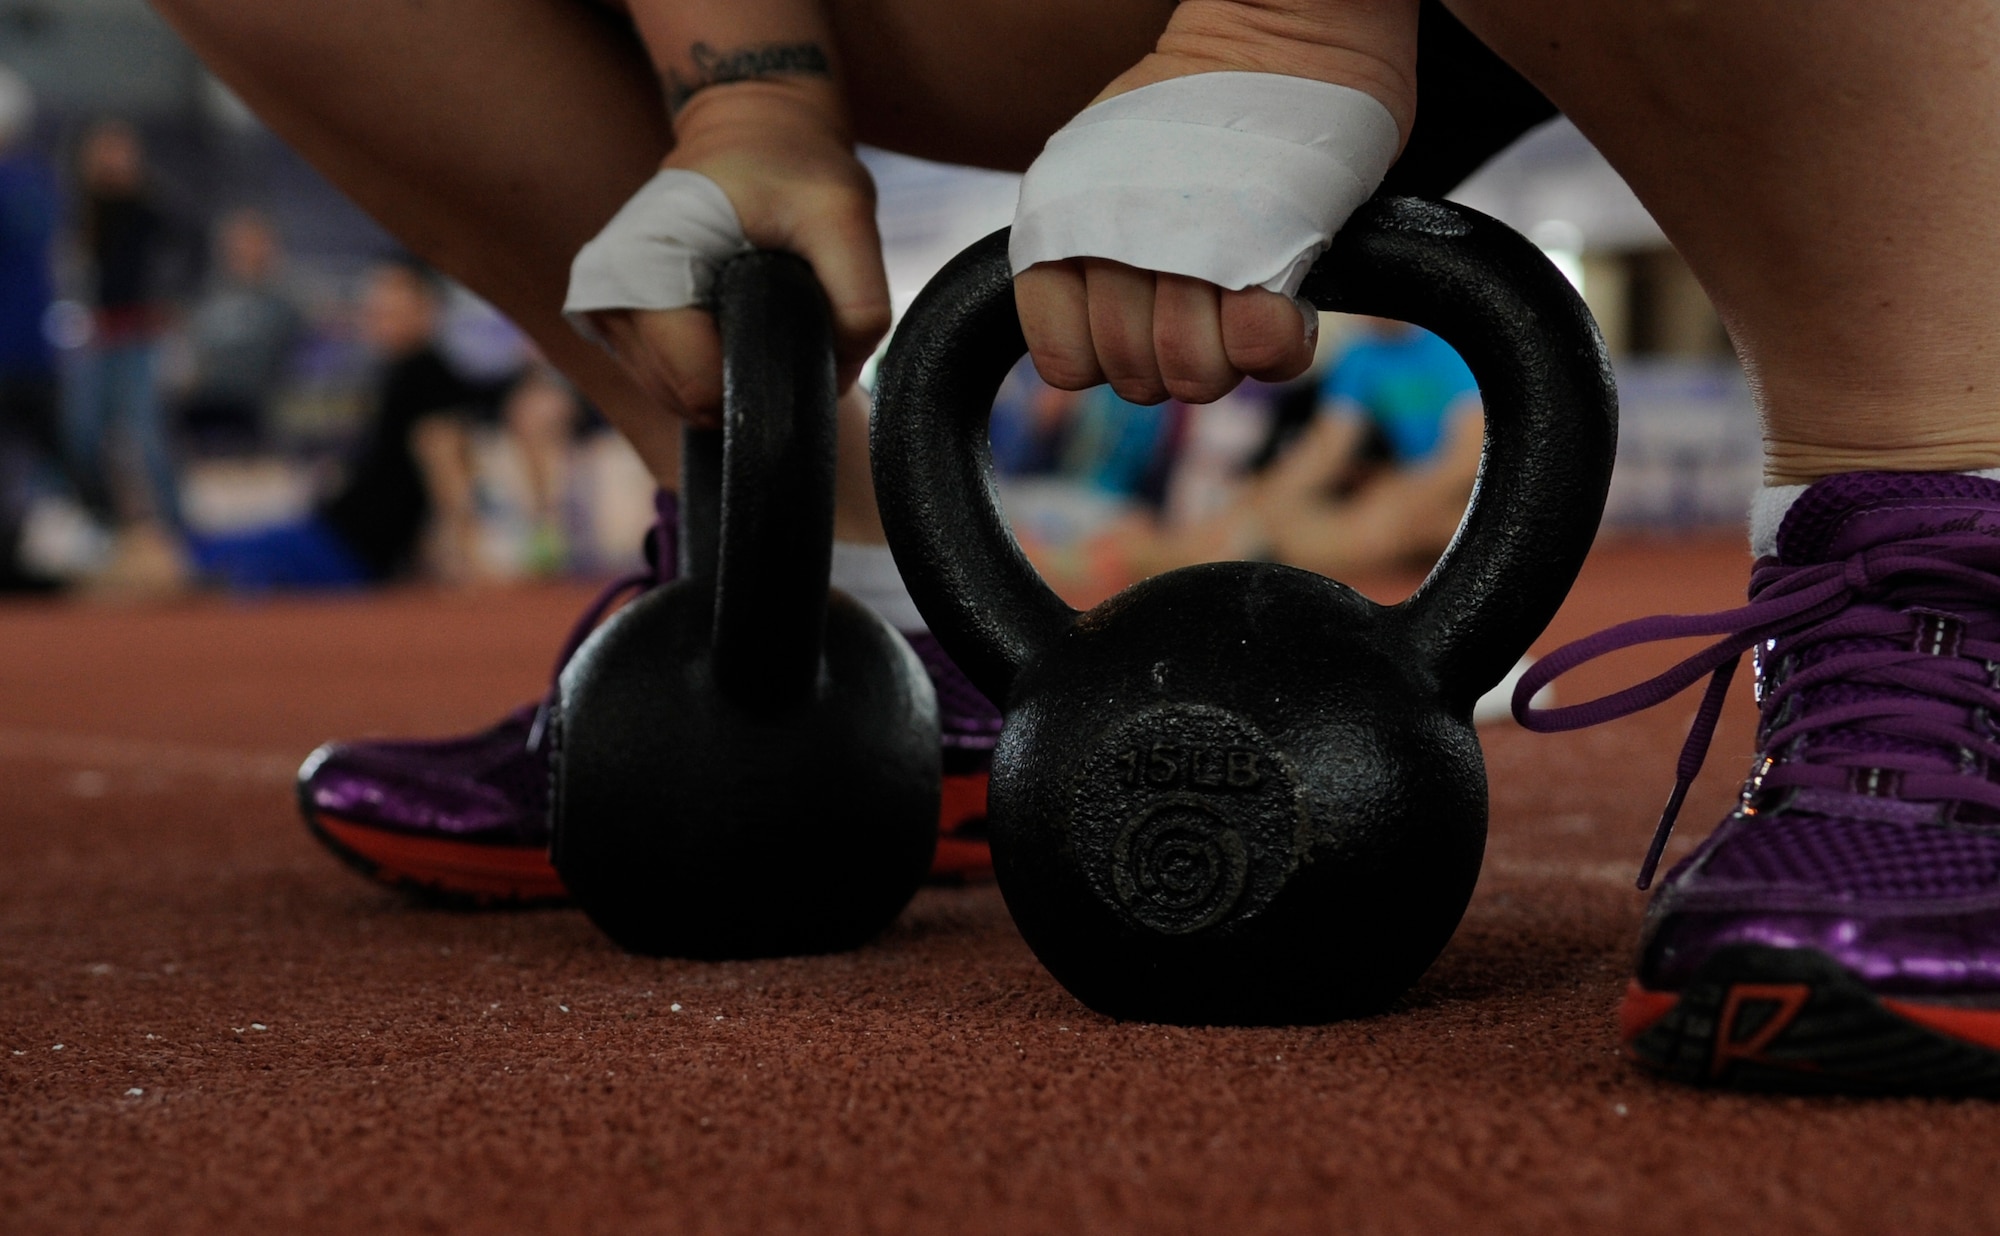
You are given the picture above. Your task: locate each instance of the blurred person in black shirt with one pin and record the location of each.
(415, 464)
(411, 470)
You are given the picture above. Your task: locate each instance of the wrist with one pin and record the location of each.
(760, 112)
(1369, 45)
(706, 69)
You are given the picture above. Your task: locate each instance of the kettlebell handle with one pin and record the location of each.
(757, 494)
(1551, 432)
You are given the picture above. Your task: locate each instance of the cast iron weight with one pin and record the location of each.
(1240, 792)
(745, 764)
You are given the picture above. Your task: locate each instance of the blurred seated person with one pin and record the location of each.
(1031, 424)
(1120, 448)
(411, 475)
(241, 334)
(1378, 481)
(542, 415)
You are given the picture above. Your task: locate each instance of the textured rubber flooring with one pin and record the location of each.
(208, 1026)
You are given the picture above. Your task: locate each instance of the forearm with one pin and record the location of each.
(1370, 45)
(759, 120)
(707, 51)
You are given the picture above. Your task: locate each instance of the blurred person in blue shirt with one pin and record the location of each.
(27, 236)
(30, 443)
(1402, 387)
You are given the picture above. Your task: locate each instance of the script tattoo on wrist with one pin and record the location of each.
(744, 64)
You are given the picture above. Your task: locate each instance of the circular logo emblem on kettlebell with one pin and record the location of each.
(1186, 818)
(1179, 866)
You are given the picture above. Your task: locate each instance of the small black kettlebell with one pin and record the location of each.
(745, 764)
(1243, 793)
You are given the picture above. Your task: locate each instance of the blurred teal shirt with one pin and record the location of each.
(1406, 386)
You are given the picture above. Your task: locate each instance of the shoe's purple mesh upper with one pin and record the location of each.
(1809, 527)
(969, 720)
(1858, 858)
(492, 786)
(1877, 629)
(488, 786)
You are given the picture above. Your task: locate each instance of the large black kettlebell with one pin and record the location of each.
(1240, 792)
(745, 765)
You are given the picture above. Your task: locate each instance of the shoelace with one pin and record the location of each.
(1892, 621)
(662, 554)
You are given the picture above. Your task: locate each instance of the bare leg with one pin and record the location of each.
(493, 161)
(497, 158)
(1401, 517)
(984, 81)
(1828, 172)
(1396, 520)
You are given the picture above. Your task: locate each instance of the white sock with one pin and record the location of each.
(1767, 511)
(868, 574)
(1773, 502)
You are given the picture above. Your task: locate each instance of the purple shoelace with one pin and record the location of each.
(1878, 676)
(662, 562)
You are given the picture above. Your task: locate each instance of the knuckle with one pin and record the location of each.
(1264, 335)
(664, 329)
(691, 393)
(662, 392)
(832, 212)
(1191, 363)
(868, 318)
(1137, 388)
(1285, 368)
(855, 199)
(1119, 348)
(1195, 372)
(1066, 369)
(1263, 352)
(694, 397)
(1206, 388)
(1122, 347)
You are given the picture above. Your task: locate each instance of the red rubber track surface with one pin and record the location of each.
(254, 1039)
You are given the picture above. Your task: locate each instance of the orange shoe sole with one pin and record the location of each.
(1796, 1020)
(963, 857)
(451, 872)
(470, 874)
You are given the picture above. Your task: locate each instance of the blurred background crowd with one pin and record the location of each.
(216, 374)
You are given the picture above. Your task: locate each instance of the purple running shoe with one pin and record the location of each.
(1840, 931)
(464, 821)
(971, 726)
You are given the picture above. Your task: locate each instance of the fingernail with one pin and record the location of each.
(1310, 312)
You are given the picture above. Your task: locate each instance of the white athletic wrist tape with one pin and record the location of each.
(660, 251)
(1240, 179)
